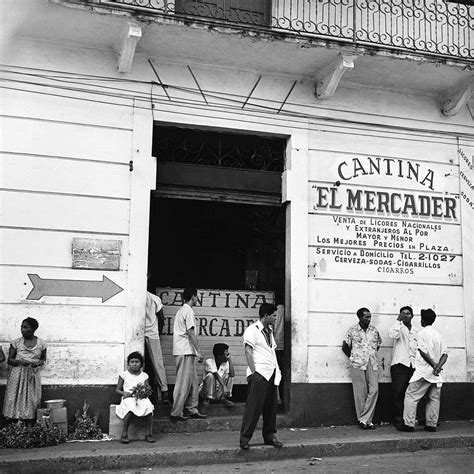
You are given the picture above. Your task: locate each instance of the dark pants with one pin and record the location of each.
(261, 400)
(401, 375)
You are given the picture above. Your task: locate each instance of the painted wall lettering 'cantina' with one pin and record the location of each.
(385, 219)
(231, 176)
(388, 225)
(221, 317)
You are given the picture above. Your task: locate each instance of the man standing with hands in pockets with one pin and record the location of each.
(186, 351)
(263, 376)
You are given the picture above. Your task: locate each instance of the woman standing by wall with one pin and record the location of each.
(25, 357)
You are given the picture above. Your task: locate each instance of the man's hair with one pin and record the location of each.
(361, 311)
(266, 308)
(188, 293)
(428, 316)
(409, 308)
(219, 349)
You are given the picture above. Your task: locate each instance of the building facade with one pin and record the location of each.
(319, 153)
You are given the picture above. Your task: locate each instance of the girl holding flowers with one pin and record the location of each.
(133, 386)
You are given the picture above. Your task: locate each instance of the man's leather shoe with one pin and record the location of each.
(403, 427)
(431, 429)
(274, 442)
(197, 415)
(178, 418)
(244, 445)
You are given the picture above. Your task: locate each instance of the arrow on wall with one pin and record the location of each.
(104, 289)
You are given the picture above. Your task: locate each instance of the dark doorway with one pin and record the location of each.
(217, 245)
(217, 223)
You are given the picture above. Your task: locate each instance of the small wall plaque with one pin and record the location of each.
(96, 254)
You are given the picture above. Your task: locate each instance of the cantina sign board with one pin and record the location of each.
(385, 220)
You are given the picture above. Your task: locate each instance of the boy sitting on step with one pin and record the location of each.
(216, 386)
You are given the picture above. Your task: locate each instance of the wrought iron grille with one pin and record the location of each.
(438, 27)
(230, 150)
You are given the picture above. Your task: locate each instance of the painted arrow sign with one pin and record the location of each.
(104, 289)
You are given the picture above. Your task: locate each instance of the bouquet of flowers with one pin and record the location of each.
(141, 390)
(85, 426)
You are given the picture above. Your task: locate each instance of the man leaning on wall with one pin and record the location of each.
(361, 345)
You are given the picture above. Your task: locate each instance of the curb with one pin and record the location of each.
(116, 459)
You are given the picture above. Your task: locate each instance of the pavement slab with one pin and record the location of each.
(216, 447)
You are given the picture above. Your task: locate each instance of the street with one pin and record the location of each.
(456, 460)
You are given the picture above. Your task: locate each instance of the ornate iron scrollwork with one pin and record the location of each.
(440, 27)
(210, 148)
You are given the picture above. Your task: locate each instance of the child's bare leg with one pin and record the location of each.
(126, 423)
(150, 424)
(149, 436)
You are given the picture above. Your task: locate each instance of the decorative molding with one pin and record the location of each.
(459, 98)
(329, 78)
(131, 34)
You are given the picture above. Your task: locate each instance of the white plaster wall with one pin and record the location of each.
(65, 164)
(335, 295)
(64, 174)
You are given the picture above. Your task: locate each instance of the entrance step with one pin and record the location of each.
(215, 423)
(219, 418)
(217, 409)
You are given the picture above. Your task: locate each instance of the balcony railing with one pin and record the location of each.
(435, 27)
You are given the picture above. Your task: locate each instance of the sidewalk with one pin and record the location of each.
(179, 449)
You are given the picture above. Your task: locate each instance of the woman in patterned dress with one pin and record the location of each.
(25, 357)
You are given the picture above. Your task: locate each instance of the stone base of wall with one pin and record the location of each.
(310, 404)
(99, 397)
(332, 403)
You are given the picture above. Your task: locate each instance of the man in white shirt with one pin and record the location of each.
(154, 321)
(186, 351)
(404, 337)
(430, 358)
(263, 376)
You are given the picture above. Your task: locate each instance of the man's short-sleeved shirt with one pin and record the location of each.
(264, 355)
(153, 305)
(364, 346)
(183, 321)
(431, 343)
(211, 366)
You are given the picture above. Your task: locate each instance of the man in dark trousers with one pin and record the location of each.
(405, 345)
(263, 376)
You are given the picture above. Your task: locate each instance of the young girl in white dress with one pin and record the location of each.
(130, 406)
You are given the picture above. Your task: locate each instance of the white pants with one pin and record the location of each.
(185, 394)
(365, 385)
(153, 345)
(415, 392)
